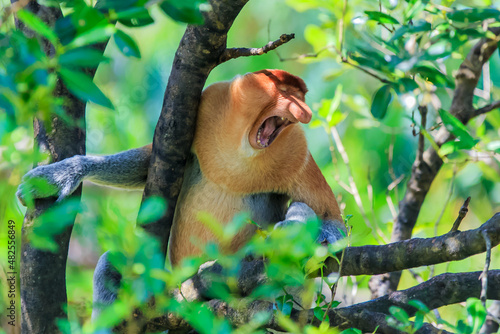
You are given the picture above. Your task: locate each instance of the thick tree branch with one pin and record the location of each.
(199, 51)
(233, 53)
(445, 289)
(364, 260)
(43, 273)
(424, 171)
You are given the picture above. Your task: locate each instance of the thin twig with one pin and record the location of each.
(305, 55)
(421, 138)
(436, 224)
(461, 215)
(487, 108)
(484, 275)
(341, 28)
(345, 60)
(352, 184)
(233, 53)
(393, 186)
(334, 288)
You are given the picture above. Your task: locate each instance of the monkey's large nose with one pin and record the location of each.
(300, 110)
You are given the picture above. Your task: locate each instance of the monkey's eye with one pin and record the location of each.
(283, 88)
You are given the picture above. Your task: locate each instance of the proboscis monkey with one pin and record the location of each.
(248, 154)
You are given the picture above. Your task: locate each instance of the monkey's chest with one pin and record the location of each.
(190, 232)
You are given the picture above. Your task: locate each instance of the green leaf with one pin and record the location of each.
(400, 315)
(82, 86)
(135, 17)
(406, 85)
(152, 209)
(37, 25)
(316, 36)
(381, 17)
(473, 15)
(456, 127)
(351, 331)
(476, 314)
(494, 146)
(319, 313)
(95, 35)
(432, 74)
(117, 5)
(381, 101)
(419, 26)
(419, 305)
(284, 304)
(83, 57)
(187, 11)
(126, 44)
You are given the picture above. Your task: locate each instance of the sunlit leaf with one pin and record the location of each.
(151, 210)
(381, 17)
(37, 25)
(406, 85)
(82, 86)
(84, 57)
(319, 312)
(456, 127)
(418, 26)
(473, 15)
(187, 11)
(135, 17)
(381, 101)
(126, 44)
(476, 314)
(400, 315)
(96, 35)
(432, 74)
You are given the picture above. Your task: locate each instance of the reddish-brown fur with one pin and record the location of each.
(229, 116)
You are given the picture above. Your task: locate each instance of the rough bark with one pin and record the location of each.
(43, 273)
(424, 171)
(198, 53)
(445, 289)
(364, 260)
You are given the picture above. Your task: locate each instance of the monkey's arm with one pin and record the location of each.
(126, 170)
(312, 189)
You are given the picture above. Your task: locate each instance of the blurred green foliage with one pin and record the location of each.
(368, 66)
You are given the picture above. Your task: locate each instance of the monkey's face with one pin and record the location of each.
(278, 104)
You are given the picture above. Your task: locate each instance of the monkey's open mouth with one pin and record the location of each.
(270, 129)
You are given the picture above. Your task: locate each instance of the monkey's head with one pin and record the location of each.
(248, 127)
(272, 100)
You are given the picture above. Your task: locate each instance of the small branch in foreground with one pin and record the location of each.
(487, 108)
(461, 215)
(233, 53)
(345, 60)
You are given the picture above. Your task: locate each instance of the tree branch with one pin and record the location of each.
(364, 260)
(43, 273)
(233, 53)
(199, 51)
(445, 289)
(424, 172)
(487, 108)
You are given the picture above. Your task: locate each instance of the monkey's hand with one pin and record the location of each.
(58, 179)
(300, 213)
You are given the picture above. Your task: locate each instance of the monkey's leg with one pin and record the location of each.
(126, 170)
(106, 284)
